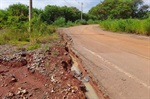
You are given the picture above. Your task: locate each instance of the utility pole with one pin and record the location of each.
(81, 10)
(30, 14)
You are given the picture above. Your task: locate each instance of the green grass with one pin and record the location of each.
(34, 46)
(135, 26)
(40, 34)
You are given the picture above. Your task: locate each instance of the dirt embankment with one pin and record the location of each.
(38, 74)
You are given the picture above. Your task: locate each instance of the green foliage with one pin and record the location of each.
(128, 25)
(3, 18)
(83, 22)
(60, 22)
(90, 21)
(70, 23)
(40, 34)
(20, 10)
(53, 13)
(116, 9)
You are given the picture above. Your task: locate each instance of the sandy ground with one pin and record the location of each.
(120, 62)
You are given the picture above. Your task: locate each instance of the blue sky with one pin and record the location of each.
(87, 4)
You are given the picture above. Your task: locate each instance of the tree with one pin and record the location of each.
(3, 18)
(70, 13)
(52, 13)
(18, 10)
(142, 12)
(116, 9)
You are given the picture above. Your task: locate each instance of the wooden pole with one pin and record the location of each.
(30, 15)
(81, 11)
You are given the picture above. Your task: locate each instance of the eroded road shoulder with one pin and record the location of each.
(120, 63)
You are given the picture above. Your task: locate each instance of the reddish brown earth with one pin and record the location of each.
(38, 74)
(119, 63)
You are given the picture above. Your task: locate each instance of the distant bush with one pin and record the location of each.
(60, 22)
(78, 21)
(128, 25)
(90, 21)
(82, 22)
(70, 23)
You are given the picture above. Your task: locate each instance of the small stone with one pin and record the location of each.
(30, 95)
(64, 97)
(24, 91)
(46, 93)
(73, 91)
(19, 93)
(46, 85)
(19, 88)
(69, 89)
(69, 85)
(53, 80)
(52, 91)
(66, 53)
(10, 94)
(14, 79)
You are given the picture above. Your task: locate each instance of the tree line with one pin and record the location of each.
(16, 15)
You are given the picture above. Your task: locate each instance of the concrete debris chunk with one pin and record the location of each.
(86, 78)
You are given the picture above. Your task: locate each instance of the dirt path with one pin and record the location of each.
(120, 62)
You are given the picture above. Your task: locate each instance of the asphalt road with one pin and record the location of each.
(120, 62)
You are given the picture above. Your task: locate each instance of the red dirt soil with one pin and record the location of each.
(51, 78)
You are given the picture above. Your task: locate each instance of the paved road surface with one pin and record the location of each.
(120, 62)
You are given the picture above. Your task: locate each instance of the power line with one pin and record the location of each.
(68, 3)
(77, 1)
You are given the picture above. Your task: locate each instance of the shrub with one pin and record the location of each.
(60, 22)
(70, 23)
(83, 22)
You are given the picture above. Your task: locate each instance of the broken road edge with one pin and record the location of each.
(100, 91)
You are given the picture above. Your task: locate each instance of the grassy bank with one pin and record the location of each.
(135, 26)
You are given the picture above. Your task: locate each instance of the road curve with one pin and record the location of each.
(120, 62)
